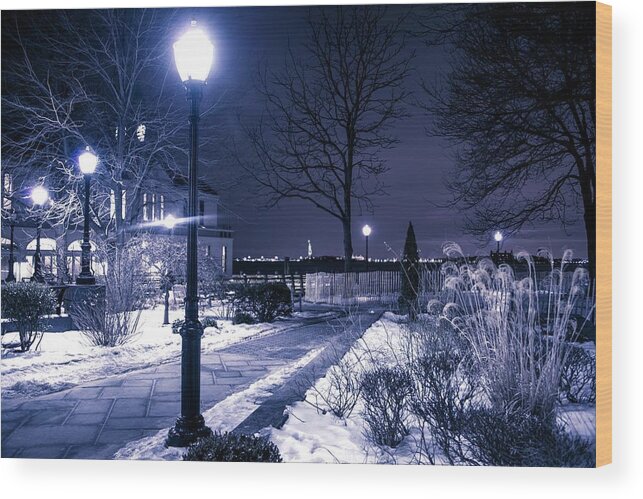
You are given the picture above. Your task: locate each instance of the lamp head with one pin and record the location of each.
(498, 236)
(170, 221)
(39, 195)
(193, 54)
(87, 162)
(366, 230)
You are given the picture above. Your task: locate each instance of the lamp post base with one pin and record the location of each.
(187, 431)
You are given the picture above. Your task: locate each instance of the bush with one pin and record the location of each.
(243, 318)
(230, 447)
(342, 392)
(177, 324)
(385, 391)
(501, 439)
(115, 320)
(265, 301)
(209, 321)
(26, 303)
(578, 376)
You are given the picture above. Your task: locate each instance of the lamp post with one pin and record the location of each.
(366, 230)
(10, 275)
(193, 54)
(498, 237)
(87, 162)
(39, 196)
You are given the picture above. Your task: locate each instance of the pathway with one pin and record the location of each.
(94, 420)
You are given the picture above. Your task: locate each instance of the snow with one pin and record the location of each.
(224, 416)
(312, 435)
(67, 359)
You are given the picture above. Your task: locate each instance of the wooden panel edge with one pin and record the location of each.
(603, 234)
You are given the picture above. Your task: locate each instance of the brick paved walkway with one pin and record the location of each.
(94, 420)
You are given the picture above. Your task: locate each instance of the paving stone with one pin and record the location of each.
(138, 382)
(44, 452)
(8, 452)
(129, 407)
(98, 406)
(7, 427)
(130, 423)
(40, 404)
(48, 417)
(227, 374)
(234, 381)
(158, 408)
(15, 415)
(112, 381)
(85, 419)
(167, 385)
(84, 393)
(120, 437)
(38, 436)
(125, 392)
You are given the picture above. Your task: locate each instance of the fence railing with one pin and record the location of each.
(384, 287)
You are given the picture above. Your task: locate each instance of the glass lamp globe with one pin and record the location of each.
(39, 195)
(170, 221)
(366, 230)
(498, 236)
(193, 54)
(87, 162)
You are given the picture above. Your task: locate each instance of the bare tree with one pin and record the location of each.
(519, 105)
(99, 79)
(328, 114)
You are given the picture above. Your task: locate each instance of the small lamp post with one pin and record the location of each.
(12, 224)
(498, 237)
(170, 221)
(87, 162)
(193, 54)
(366, 230)
(39, 196)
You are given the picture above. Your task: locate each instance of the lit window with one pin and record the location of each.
(224, 258)
(162, 207)
(146, 213)
(140, 133)
(7, 190)
(112, 204)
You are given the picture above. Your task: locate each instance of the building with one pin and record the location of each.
(143, 209)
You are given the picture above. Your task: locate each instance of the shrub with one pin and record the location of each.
(209, 321)
(26, 303)
(265, 301)
(408, 300)
(243, 318)
(115, 320)
(341, 394)
(519, 356)
(231, 447)
(385, 391)
(177, 324)
(513, 439)
(578, 376)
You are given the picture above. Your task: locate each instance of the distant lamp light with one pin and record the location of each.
(39, 195)
(170, 221)
(87, 162)
(366, 230)
(140, 132)
(498, 237)
(194, 54)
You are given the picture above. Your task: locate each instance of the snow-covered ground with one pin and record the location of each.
(313, 434)
(68, 359)
(224, 416)
(310, 435)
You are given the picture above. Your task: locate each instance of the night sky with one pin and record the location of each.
(247, 38)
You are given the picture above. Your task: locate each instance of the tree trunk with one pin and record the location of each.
(590, 231)
(166, 310)
(348, 244)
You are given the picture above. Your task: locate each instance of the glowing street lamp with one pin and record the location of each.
(170, 221)
(366, 230)
(498, 237)
(194, 54)
(87, 162)
(39, 196)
